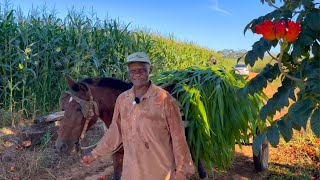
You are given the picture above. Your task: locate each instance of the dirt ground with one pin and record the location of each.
(296, 160)
(45, 164)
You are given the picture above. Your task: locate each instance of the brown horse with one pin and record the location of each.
(92, 98)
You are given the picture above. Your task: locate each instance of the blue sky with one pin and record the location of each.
(215, 24)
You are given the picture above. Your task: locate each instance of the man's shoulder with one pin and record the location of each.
(124, 94)
(161, 92)
(165, 95)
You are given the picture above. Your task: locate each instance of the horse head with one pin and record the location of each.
(80, 112)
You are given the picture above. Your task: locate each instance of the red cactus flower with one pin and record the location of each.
(294, 29)
(267, 30)
(280, 29)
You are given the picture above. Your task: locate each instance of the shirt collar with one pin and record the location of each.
(150, 92)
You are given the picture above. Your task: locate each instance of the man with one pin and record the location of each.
(147, 121)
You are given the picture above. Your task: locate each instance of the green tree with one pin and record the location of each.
(230, 53)
(297, 64)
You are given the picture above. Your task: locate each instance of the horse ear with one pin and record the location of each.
(83, 87)
(69, 80)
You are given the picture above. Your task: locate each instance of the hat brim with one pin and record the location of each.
(136, 61)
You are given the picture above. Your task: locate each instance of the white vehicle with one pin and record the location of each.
(241, 69)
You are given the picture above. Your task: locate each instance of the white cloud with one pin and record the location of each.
(215, 7)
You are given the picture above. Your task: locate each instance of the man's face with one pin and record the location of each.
(139, 73)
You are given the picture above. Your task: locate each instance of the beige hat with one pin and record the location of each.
(138, 57)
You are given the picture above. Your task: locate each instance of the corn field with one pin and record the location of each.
(39, 48)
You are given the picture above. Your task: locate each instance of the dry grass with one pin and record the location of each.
(297, 159)
(39, 161)
(30, 163)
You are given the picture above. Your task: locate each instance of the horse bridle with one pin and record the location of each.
(88, 112)
(88, 109)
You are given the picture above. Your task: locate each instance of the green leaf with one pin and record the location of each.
(313, 20)
(248, 26)
(293, 4)
(20, 66)
(258, 50)
(285, 129)
(295, 125)
(296, 49)
(270, 108)
(307, 3)
(260, 47)
(274, 43)
(263, 113)
(32, 72)
(268, 73)
(273, 135)
(5, 66)
(315, 122)
(307, 37)
(301, 16)
(285, 57)
(251, 58)
(316, 49)
(258, 83)
(300, 112)
(257, 142)
(291, 94)
(287, 14)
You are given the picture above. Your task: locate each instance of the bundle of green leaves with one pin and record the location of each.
(218, 117)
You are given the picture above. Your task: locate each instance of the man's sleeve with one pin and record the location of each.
(112, 139)
(183, 160)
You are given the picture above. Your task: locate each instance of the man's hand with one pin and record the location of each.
(88, 159)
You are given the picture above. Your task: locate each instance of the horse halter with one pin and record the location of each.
(88, 109)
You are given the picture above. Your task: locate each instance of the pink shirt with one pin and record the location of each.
(153, 137)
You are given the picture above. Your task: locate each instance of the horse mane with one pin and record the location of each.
(104, 83)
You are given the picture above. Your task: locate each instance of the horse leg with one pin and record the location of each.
(201, 171)
(117, 164)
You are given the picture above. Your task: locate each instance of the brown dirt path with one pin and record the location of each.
(100, 168)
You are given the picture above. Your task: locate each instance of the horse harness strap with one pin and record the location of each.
(88, 109)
